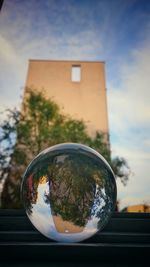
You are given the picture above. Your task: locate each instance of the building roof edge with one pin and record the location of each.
(86, 61)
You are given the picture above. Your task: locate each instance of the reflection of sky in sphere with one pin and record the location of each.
(69, 192)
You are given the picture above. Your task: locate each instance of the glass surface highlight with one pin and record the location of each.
(69, 192)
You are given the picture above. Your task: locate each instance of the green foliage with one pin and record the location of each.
(40, 125)
(121, 168)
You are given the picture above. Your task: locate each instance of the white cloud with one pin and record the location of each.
(12, 74)
(7, 52)
(129, 104)
(129, 111)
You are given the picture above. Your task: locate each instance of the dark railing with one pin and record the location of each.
(126, 238)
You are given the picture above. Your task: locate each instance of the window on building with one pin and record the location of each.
(76, 73)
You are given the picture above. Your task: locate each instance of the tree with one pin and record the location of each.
(39, 125)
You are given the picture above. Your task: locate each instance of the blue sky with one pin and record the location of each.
(114, 31)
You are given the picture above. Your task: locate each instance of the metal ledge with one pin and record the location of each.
(126, 238)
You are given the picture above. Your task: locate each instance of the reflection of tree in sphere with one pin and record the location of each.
(69, 192)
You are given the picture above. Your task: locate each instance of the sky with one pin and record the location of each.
(114, 31)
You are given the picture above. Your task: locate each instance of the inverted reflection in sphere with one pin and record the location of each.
(69, 192)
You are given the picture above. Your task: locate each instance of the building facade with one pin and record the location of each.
(78, 87)
(138, 208)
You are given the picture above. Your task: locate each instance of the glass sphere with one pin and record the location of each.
(69, 192)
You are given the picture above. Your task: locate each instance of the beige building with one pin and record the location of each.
(138, 208)
(78, 87)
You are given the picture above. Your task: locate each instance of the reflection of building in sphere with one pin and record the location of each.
(72, 189)
(65, 226)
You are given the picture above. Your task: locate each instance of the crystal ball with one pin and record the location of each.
(69, 192)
